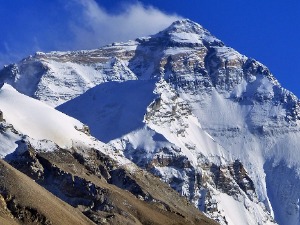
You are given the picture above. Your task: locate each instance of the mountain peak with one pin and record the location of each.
(187, 31)
(186, 25)
(180, 104)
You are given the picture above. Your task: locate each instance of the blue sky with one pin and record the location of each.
(268, 31)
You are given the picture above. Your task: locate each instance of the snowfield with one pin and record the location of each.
(38, 120)
(43, 127)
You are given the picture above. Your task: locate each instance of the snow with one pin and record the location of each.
(112, 109)
(143, 139)
(175, 51)
(187, 31)
(67, 80)
(44, 127)
(250, 134)
(38, 120)
(55, 78)
(9, 142)
(124, 46)
(193, 136)
(239, 89)
(244, 118)
(185, 37)
(240, 211)
(229, 53)
(42, 145)
(266, 88)
(185, 131)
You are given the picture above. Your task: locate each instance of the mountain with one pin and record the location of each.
(213, 124)
(25, 202)
(75, 179)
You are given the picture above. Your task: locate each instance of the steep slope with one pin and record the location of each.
(27, 119)
(25, 202)
(58, 77)
(172, 145)
(214, 124)
(247, 111)
(80, 170)
(38, 120)
(89, 181)
(112, 109)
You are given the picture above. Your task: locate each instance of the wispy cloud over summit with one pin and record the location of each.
(96, 27)
(60, 25)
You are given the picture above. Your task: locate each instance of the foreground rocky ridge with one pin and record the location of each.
(25, 202)
(212, 123)
(104, 192)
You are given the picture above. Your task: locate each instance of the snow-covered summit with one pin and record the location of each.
(213, 123)
(185, 26)
(187, 31)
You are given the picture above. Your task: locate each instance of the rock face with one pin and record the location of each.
(104, 192)
(1, 116)
(213, 124)
(25, 202)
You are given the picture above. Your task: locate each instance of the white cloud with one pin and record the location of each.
(84, 24)
(96, 27)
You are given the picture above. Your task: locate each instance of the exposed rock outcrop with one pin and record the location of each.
(93, 183)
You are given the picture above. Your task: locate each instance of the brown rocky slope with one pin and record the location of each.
(91, 187)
